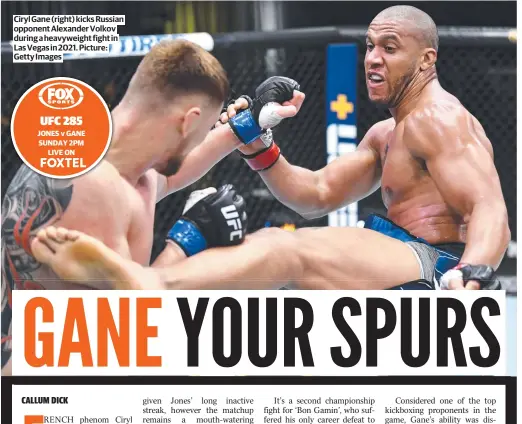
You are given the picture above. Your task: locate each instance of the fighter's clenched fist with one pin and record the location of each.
(275, 99)
(211, 218)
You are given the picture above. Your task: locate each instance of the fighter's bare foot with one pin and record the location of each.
(79, 258)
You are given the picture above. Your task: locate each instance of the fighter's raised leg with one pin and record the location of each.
(322, 258)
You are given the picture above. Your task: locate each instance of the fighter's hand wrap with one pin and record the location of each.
(251, 123)
(211, 218)
(264, 159)
(482, 274)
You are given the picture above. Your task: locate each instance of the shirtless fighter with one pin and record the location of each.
(158, 147)
(434, 163)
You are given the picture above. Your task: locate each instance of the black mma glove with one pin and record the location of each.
(211, 218)
(251, 123)
(482, 274)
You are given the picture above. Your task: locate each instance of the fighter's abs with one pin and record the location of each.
(413, 200)
(433, 222)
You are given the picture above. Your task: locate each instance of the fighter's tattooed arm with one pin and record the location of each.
(31, 203)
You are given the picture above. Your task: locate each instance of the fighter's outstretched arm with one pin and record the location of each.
(313, 194)
(459, 159)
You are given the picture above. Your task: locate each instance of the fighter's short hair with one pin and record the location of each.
(427, 30)
(180, 66)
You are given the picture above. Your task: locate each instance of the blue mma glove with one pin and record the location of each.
(211, 218)
(251, 123)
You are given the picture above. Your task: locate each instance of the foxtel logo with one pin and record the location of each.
(42, 419)
(61, 95)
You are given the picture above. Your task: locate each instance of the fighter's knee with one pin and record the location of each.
(281, 248)
(311, 248)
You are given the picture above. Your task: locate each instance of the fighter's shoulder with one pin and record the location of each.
(436, 116)
(101, 179)
(435, 126)
(101, 204)
(378, 134)
(102, 186)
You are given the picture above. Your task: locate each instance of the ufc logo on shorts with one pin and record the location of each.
(232, 216)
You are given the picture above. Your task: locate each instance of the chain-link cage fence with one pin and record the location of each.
(482, 76)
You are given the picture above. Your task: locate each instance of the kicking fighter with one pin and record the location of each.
(161, 143)
(432, 159)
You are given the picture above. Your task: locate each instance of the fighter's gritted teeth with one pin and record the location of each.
(372, 76)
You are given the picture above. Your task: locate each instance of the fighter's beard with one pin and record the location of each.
(404, 86)
(400, 91)
(171, 167)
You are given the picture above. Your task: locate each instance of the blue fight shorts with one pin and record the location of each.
(434, 259)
